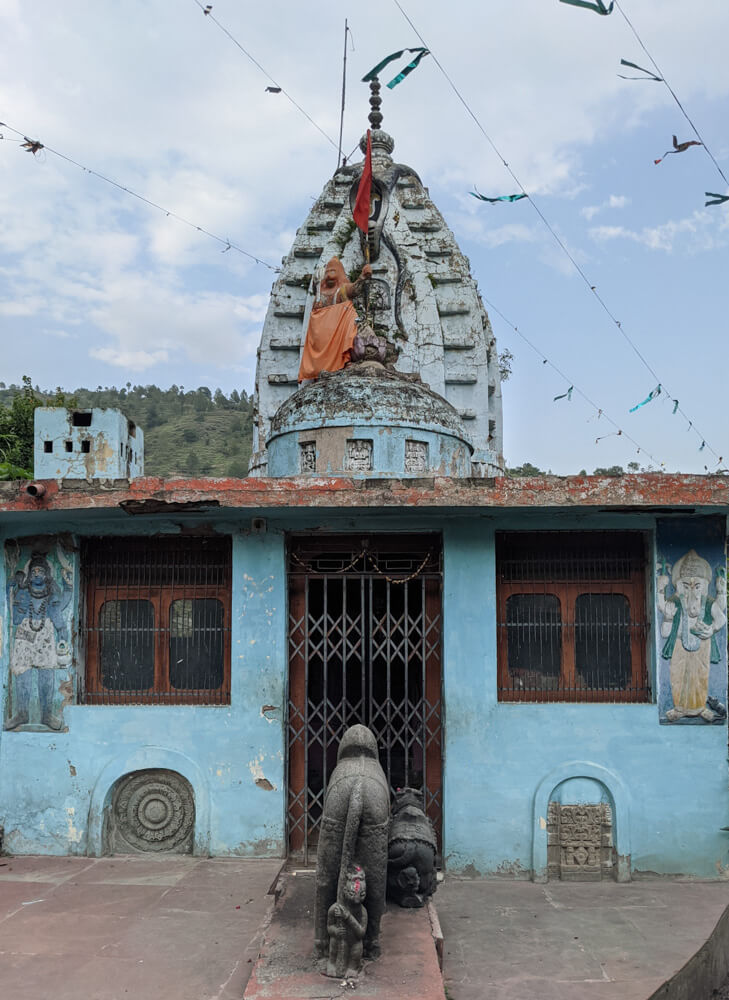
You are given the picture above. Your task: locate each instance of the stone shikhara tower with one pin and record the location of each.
(422, 300)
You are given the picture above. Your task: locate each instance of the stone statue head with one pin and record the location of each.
(407, 797)
(39, 575)
(358, 741)
(691, 578)
(334, 275)
(354, 886)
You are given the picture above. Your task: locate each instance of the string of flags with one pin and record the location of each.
(405, 71)
(503, 197)
(599, 7)
(649, 75)
(566, 395)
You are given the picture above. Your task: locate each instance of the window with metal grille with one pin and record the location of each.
(572, 622)
(157, 624)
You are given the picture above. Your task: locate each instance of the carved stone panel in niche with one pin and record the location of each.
(416, 457)
(154, 811)
(307, 456)
(378, 295)
(358, 455)
(580, 842)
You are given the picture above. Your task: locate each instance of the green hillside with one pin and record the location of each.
(186, 432)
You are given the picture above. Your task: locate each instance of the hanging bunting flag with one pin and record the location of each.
(361, 210)
(719, 198)
(565, 395)
(703, 445)
(679, 147)
(503, 197)
(613, 434)
(405, 71)
(649, 74)
(598, 6)
(651, 395)
(675, 406)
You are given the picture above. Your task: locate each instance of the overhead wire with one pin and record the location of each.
(593, 288)
(226, 243)
(207, 10)
(671, 91)
(573, 386)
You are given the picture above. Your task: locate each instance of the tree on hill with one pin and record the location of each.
(215, 428)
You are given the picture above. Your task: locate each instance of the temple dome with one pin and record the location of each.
(367, 421)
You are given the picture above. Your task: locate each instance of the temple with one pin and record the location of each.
(422, 300)
(542, 662)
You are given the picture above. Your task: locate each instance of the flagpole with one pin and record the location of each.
(344, 90)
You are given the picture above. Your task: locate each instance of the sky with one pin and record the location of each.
(99, 288)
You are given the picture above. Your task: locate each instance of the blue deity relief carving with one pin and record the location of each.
(39, 595)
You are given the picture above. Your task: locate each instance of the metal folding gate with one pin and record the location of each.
(364, 646)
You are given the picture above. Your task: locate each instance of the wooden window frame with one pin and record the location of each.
(161, 596)
(571, 687)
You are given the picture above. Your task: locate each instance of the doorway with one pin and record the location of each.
(365, 629)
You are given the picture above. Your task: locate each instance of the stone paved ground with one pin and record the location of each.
(110, 928)
(189, 929)
(507, 940)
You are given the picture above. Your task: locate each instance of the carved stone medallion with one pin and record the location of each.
(580, 842)
(153, 811)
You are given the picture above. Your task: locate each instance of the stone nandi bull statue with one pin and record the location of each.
(353, 839)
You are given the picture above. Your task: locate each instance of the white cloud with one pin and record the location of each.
(614, 201)
(694, 234)
(135, 361)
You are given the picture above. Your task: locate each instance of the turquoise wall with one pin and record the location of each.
(502, 762)
(668, 785)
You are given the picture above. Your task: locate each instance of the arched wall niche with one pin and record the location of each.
(581, 824)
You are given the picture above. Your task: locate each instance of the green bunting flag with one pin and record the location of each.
(675, 406)
(649, 74)
(651, 395)
(703, 445)
(405, 71)
(719, 199)
(504, 197)
(598, 6)
(565, 395)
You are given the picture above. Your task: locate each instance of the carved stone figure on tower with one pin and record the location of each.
(333, 321)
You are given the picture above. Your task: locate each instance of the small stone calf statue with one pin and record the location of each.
(411, 874)
(346, 925)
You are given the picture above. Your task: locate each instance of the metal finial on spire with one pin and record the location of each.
(375, 115)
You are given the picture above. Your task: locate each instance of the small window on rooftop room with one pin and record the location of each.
(69, 445)
(47, 447)
(86, 446)
(81, 419)
(132, 428)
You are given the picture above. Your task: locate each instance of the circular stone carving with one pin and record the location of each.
(154, 811)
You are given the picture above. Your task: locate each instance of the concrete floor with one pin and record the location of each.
(109, 928)
(189, 929)
(507, 940)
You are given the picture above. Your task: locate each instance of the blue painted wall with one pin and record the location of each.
(502, 762)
